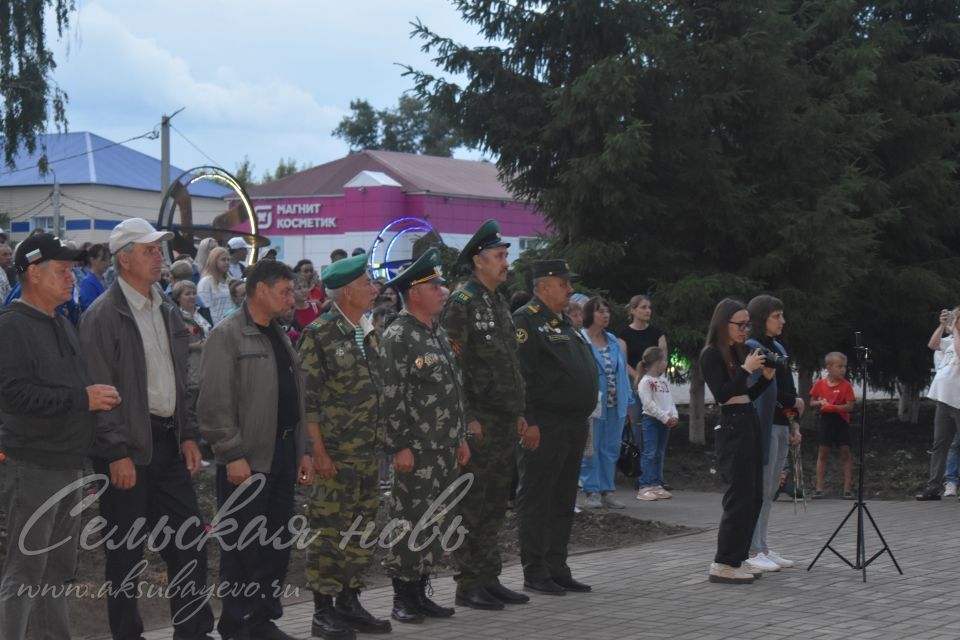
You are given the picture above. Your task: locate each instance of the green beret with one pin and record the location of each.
(559, 268)
(425, 269)
(343, 272)
(486, 237)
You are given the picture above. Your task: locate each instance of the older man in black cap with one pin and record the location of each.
(561, 393)
(478, 323)
(47, 426)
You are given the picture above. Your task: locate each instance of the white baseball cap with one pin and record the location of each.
(237, 242)
(135, 230)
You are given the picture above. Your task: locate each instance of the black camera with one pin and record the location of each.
(774, 359)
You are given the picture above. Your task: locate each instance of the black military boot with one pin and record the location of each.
(349, 607)
(326, 622)
(476, 597)
(425, 605)
(405, 602)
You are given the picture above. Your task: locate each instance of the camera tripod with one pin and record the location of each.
(860, 507)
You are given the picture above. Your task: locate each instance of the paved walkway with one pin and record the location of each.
(660, 589)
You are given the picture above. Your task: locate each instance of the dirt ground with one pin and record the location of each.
(896, 463)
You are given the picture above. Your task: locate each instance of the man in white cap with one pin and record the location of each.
(238, 254)
(134, 339)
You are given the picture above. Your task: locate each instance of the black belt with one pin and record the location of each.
(284, 433)
(161, 426)
(736, 409)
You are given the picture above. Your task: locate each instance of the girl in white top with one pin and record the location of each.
(945, 390)
(659, 416)
(213, 287)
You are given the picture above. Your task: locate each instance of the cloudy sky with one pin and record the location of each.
(266, 79)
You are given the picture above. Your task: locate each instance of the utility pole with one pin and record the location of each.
(57, 218)
(165, 150)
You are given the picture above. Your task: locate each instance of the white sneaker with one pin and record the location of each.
(778, 559)
(730, 575)
(593, 501)
(951, 490)
(647, 494)
(662, 493)
(761, 563)
(610, 501)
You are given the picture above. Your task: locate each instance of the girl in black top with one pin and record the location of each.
(726, 366)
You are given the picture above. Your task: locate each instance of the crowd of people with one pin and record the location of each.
(452, 400)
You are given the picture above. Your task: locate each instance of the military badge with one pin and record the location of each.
(521, 335)
(418, 363)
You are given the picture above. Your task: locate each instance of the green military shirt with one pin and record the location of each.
(484, 340)
(422, 388)
(557, 365)
(343, 385)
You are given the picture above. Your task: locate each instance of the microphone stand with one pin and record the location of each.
(860, 507)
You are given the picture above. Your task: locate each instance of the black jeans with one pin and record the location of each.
(546, 497)
(163, 488)
(255, 573)
(739, 462)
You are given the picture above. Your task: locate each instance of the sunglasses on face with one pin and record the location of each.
(742, 326)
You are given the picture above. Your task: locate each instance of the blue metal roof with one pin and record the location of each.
(86, 158)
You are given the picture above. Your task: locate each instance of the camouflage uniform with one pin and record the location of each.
(422, 404)
(483, 337)
(343, 395)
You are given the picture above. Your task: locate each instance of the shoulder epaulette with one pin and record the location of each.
(462, 297)
(533, 308)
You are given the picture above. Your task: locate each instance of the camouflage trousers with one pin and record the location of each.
(483, 509)
(336, 562)
(414, 554)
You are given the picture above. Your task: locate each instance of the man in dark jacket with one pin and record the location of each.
(252, 414)
(134, 338)
(46, 428)
(561, 392)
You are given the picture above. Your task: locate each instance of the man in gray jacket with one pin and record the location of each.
(251, 410)
(134, 339)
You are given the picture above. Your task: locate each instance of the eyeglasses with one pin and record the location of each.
(743, 326)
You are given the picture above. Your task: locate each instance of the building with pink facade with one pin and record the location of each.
(382, 201)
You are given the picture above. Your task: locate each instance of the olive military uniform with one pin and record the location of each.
(343, 389)
(424, 412)
(483, 338)
(561, 393)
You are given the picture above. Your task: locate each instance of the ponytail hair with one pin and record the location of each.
(651, 356)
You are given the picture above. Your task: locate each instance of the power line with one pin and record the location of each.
(93, 206)
(199, 150)
(33, 208)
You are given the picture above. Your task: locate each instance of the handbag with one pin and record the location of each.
(629, 461)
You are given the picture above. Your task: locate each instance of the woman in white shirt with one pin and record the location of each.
(213, 288)
(945, 390)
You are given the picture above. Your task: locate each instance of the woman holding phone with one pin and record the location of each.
(727, 364)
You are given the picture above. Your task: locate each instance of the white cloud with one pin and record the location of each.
(259, 79)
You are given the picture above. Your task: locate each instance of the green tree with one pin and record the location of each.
(691, 149)
(284, 168)
(244, 173)
(916, 271)
(30, 98)
(409, 127)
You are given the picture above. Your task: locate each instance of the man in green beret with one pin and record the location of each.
(341, 360)
(425, 431)
(561, 393)
(478, 323)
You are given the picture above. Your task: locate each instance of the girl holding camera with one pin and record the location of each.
(776, 432)
(727, 365)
